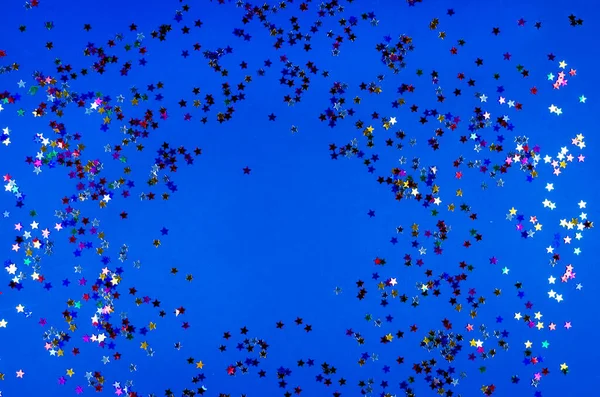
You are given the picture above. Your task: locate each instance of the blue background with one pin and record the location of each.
(274, 244)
